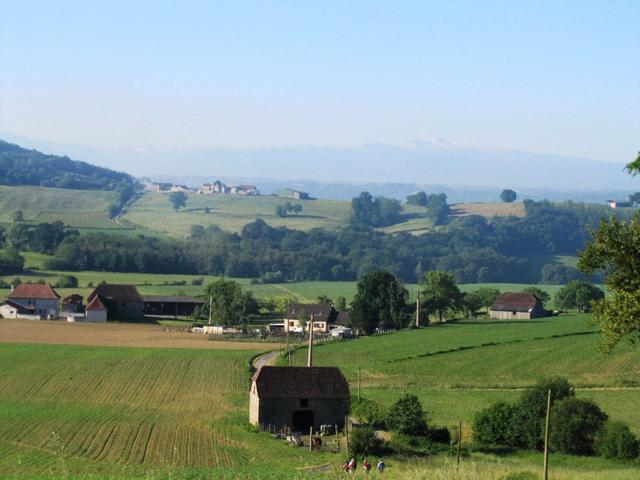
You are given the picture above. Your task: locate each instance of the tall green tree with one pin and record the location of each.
(615, 247)
(230, 305)
(407, 417)
(418, 198)
(542, 295)
(379, 302)
(578, 294)
(508, 195)
(178, 199)
(440, 293)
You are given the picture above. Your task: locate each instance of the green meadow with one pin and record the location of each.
(81, 209)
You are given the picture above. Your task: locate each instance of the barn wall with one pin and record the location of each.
(509, 315)
(279, 411)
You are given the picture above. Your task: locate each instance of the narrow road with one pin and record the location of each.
(265, 359)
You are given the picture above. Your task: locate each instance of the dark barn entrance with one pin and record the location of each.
(302, 420)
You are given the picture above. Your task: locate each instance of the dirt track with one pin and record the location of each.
(110, 334)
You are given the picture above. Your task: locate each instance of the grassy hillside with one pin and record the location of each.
(460, 367)
(232, 212)
(82, 209)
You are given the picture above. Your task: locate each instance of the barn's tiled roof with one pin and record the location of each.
(95, 304)
(73, 298)
(301, 382)
(116, 293)
(34, 291)
(322, 312)
(515, 302)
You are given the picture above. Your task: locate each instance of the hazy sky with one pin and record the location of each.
(558, 77)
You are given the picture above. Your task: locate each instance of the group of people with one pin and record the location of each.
(351, 466)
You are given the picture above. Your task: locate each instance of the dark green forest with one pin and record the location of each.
(19, 166)
(471, 248)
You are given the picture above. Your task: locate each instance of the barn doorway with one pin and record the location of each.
(302, 420)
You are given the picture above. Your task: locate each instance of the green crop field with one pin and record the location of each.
(82, 209)
(125, 412)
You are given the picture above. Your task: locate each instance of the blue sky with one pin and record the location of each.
(539, 76)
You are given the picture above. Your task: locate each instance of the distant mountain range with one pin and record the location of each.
(468, 173)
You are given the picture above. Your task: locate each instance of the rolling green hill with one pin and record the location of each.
(82, 209)
(20, 166)
(461, 367)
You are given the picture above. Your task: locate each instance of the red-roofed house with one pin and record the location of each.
(95, 311)
(518, 306)
(42, 298)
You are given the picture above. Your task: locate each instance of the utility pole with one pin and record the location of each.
(310, 356)
(546, 437)
(358, 384)
(286, 326)
(418, 309)
(210, 309)
(459, 440)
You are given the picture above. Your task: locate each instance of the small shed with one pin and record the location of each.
(298, 397)
(95, 311)
(517, 306)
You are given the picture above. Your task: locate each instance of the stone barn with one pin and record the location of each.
(517, 306)
(121, 301)
(299, 397)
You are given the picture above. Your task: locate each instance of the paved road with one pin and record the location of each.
(265, 359)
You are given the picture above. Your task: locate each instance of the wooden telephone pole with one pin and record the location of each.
(310, 356)
(286, 326)
(418, 309)
(210, 309)
(546, 437)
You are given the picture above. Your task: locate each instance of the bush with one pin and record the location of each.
(11, 262)
(197, 281)
(66, 281)
(407, 417)
(439, 435)
(369, 412)
(494, 425)
(617, 441)
(574, 425)
(363, 442)
(528, 424)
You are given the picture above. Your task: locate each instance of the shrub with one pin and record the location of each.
(575, 424)
(66, 281)
(363, 441)
(439, 435)
(407, 417)
(494, 425)
(369, 412)
(528, 425)
(617, 441)
(197, 281)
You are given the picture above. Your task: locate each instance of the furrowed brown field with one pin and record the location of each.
(110, 335)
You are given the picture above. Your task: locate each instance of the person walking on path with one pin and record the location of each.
(380, 466)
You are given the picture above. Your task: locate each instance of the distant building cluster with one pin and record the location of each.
(216, 187)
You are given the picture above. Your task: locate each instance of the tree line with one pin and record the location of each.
(473, 249)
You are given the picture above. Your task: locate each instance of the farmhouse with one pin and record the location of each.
(121, 301)
(323, 315)
(43, 298)
(298, 397)
(10, 309)
(294, 194)
(517, 305)
(619, 203)
(172, 306)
